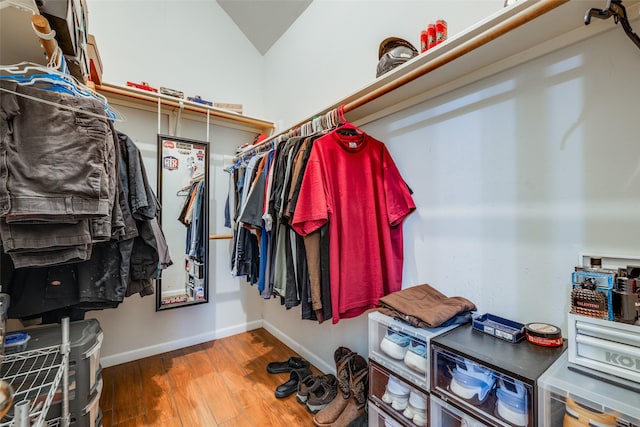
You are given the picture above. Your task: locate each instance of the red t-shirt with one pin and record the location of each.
(352, 182)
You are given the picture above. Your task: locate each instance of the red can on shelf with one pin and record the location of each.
(441, 31)
(431, 36)
(423, 41)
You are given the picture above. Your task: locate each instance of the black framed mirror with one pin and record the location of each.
(183, 191)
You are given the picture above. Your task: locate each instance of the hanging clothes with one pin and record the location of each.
(330, 235)
(245, 256)
(58, 168)
(352, 183)
(122, 255)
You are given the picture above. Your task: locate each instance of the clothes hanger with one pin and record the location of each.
(616, 9)
(28, 73)
(184, 191)
(344, 127)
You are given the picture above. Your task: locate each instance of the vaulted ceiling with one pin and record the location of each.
(264, 21)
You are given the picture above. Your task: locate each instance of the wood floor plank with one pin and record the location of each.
(220, 358)
(214, 390)
(158, 395)
(199, 360)
(193, 409)
(245, 398)
(241, 348)
(173, 422)
(263, 414)
(173, 358)
(239, 421)
(106, 398)
(106, 417)
(138, 421)
(218, 383)
(127, 402)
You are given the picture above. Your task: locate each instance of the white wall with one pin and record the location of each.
(329, 52)
(188, 45)
(514, 176)
(195, 47)
(332, 48)
(135, 329)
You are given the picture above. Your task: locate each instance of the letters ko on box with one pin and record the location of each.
(610, 347)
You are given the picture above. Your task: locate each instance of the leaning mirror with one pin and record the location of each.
(183, 189)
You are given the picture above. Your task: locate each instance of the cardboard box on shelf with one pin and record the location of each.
(236, 108)
(95, 63)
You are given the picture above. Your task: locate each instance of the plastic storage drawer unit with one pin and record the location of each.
(86, 416)
(84, 356)
(379, 418)
(492, 379)
(90, 416)
(85, 381)
(571, 399)
(609, 347)
(445, 415)
(401, 347)
(406, 403)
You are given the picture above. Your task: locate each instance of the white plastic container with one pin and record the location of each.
(408, 366)
(402, 400)
(610, 347)
(602, 402)
(446, 415)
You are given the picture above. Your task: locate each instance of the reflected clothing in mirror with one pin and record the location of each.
(192, 216)
(183, 182)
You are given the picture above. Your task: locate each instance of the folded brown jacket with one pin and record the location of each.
(423, 306)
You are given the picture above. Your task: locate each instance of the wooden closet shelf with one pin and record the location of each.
(111, 90)
(512, 36)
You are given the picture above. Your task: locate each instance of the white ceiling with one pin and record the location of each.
(264, 21)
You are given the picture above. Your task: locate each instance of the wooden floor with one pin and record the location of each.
(219, 383)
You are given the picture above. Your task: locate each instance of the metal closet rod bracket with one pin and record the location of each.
(616, 9)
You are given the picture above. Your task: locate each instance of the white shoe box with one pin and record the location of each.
(446, 415)
(378, 325)
(378, 380)
(598, 401)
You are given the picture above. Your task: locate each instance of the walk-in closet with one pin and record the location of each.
(319, 213)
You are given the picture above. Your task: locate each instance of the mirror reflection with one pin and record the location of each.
(183, 188)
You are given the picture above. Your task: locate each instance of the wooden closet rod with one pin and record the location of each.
(220, 236)
(493, 33)
(42, 25)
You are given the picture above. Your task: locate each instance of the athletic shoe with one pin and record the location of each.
(396, 394)
(512, 401)
(395, 344)
(472, 382)
(416, 357)
(417, 408)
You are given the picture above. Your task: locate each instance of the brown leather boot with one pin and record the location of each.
(330, 413)
(359, 382)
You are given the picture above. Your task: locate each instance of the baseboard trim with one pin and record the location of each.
(301, 350)
(128, 356)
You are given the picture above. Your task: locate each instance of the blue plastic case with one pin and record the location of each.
(499, 327)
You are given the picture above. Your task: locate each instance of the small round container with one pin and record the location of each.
(543, 334)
